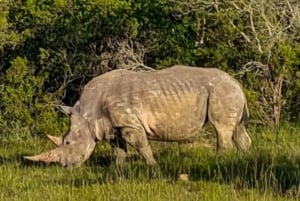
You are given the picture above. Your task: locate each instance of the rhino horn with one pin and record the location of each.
(55, 140)
(47, 157)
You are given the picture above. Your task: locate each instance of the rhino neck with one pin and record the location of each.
(101, 129)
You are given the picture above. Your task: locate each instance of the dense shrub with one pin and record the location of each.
(25, 106)
(50, 48)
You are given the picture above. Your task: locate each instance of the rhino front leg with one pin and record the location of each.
(119, 150)
(138, 139)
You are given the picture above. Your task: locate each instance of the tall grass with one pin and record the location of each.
(269, 171)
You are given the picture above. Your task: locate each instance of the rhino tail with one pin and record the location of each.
(246, 113)
(241, 138)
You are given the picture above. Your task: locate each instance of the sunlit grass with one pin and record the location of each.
(270, 171)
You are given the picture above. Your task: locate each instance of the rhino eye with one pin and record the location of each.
(67, 142)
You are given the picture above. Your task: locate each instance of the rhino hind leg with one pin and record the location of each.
(119, 149)
(241, 138)
(137, 138)
(229, 134)
(224, 137)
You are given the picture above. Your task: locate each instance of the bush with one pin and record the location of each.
(24, 106)
(50, 48)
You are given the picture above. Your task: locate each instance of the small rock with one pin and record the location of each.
(184, 177)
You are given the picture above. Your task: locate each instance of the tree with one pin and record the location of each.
(60, 45)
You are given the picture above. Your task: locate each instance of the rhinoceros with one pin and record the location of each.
(126, 107)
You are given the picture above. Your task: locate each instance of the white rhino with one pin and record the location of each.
(126, 107)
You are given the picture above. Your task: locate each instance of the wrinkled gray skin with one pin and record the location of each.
(126, 107)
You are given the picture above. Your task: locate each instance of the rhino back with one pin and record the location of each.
(170, 104)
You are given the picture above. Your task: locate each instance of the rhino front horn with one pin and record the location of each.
(47, 157)
(55, 140)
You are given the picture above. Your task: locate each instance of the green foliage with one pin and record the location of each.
(289, 66)
(7, 36)
(64, 44)
(23, 103)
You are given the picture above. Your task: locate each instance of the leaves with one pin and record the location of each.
(50, 48)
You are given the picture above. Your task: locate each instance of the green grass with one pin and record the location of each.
(270, 171)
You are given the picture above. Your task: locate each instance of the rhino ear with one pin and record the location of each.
(65, 109)
(76, 107)
(70, 110)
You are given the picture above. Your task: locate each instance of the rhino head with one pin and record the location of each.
(74, 147)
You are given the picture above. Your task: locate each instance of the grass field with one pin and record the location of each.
(270, 171)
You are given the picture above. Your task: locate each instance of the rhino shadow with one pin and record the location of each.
(108, 160)
(100, 160)
(4, 160)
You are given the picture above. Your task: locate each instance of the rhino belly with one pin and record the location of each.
(175, 121)
(179, 130)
